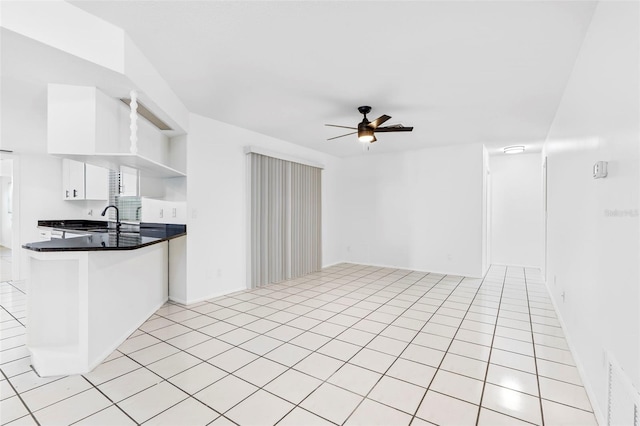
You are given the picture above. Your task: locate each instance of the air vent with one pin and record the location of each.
(143, 111)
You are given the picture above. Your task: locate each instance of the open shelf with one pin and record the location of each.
(147, 167)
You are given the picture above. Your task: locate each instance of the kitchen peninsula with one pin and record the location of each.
(88, 293)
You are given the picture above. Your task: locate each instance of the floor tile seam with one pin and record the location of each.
(535, 358)
(444, 394)
(263, 388)
(566, 348)
(13, 347)
(308, 411)
(189, 395)
(10, 282)
(331, 339)
(61, 400)
(507, 415)
(113, 403)
(19, 324)
(410, 342)
(12, 316)
(233, 346)
(486, 373)
(161, 412)
(512, 389)
(142, 366)
(238, 346)
(354, 355)
(24, 404)
(569, 405)
(297, 316)
(32, 370)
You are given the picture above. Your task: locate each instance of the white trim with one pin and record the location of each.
(406, 268)
(274, 154)
(202, 299)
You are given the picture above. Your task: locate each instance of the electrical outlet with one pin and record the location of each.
(219, 273)
(348, 248)
(194, 213)
(174, 212)
(161, 213)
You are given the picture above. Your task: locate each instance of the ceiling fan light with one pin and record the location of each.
(514, 149)
(366, 138)
(365, 133)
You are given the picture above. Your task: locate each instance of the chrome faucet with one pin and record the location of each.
(117, 216)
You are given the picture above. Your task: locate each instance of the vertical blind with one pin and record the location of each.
(285, 219)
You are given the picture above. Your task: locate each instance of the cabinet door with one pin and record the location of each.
(72, 180)
(128, 181)
(96, 183)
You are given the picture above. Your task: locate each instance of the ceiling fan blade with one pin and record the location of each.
(393, 129)
(344, 127)
(341, 136)
(378, 121)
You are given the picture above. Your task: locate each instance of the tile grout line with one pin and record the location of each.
(20, 398)
(259, 356)
(406, 346)
(113, 404)
(486, 373)
(533, 344)
(303, 301)
(453, 338)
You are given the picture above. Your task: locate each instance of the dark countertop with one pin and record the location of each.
(75, 225)
(100, 238)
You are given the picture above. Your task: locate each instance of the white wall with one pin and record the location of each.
(6, 183)
(417, 209)
(517, 228)
(592, 253)
(216, 202)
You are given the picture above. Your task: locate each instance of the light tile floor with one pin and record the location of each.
(349, 345)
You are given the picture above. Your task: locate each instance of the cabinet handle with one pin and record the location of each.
(66, 194)
(75, 193)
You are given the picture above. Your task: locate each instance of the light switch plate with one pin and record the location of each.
(600, 170)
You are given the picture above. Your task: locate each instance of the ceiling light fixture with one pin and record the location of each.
(514, 149)
(365, 133)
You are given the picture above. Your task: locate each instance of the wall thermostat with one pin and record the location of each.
(600, 170)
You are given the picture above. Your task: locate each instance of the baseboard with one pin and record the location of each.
(516, 265)
(379, 265)
(591, 394)
(202, 299)
(332, 264)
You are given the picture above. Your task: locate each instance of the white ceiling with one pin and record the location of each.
(459, 72)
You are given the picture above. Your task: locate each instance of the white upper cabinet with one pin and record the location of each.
(129, 183)
(96, 182)
(82, 181)
(87, 125)
(72, 180)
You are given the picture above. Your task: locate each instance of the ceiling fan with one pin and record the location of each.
(366, 128)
